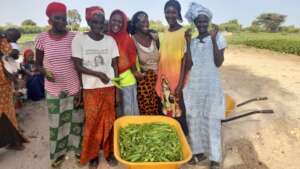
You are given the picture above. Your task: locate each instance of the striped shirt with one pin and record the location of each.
(57, 59)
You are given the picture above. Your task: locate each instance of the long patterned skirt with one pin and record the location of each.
(9, 133)
(7, 103)
(66, 125)
(99, 107)
(148, 100)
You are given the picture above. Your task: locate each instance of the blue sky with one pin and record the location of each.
(15, 11)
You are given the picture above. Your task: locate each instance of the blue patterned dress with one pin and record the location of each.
(204, 98)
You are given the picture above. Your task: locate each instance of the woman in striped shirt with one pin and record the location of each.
(62, 85)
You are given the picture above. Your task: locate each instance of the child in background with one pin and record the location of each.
(34, 79)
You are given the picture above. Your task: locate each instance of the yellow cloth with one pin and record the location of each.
(127, 79)
(172, 49)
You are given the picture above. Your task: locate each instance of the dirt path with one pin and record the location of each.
(263, 141)
(256, 142)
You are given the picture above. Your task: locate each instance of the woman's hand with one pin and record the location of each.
(188, 35)
(103, 77)
(153, 34)
(138, 75)
(213, 33)
(78, 99)
(48, 74)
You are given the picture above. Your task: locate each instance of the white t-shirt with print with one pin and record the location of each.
(96, 56)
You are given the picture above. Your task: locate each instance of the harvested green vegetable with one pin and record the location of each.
(150, 142)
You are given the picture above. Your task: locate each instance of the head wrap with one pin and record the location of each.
(15, 46)
(195, 10)
(127, 49)
(26, 54)
(55, 7)
(92, 11)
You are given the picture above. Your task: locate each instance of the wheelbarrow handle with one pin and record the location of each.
(247, 114)
(266, 111)
(252, 100)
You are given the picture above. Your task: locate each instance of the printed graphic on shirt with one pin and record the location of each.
(95, 58)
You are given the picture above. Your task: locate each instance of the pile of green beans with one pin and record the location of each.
(150, 142)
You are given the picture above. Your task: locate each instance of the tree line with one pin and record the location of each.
(266, 22)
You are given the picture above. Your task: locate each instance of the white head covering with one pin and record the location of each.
(195, 10)
(15, 46)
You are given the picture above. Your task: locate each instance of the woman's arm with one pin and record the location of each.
(83, 70)
(186, 63)
(218, 54)
(39, 60)
(114, 64)
(132, 57)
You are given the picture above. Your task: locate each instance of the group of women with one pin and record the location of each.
(125, 68)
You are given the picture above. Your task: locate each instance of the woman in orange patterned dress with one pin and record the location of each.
(9, 134)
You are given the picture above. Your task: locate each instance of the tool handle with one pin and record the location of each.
(247, 114)
(252, 100)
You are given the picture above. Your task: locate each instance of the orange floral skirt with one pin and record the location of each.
(100, 114)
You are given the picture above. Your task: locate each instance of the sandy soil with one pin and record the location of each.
(260, 141)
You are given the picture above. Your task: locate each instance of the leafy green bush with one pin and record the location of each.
(231, 26)
(30, 29)
(280, 42)
(289, 29)
(282, 45)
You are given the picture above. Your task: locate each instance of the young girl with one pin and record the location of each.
(34, 79)
(117, 28)
(146, 41)
(205, 106)
(170, 76)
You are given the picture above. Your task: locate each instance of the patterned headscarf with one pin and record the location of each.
(195, 10)
(93, 10)
(5, 46)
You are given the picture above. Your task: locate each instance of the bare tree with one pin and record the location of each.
(74, 19)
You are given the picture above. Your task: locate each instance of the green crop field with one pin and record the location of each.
(280, 42)
(26, 37)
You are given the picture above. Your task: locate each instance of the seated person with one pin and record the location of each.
(34, 80)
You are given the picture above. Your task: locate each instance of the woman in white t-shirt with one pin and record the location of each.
(95, 56)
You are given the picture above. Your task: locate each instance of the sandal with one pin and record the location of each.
(200, 157)
(193, 161)
(197, 158)
(112, 161)
(214, 165)
(93, 164)
(77, 158)
(57, 163)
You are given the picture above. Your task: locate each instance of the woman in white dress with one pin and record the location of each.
(205, 106)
